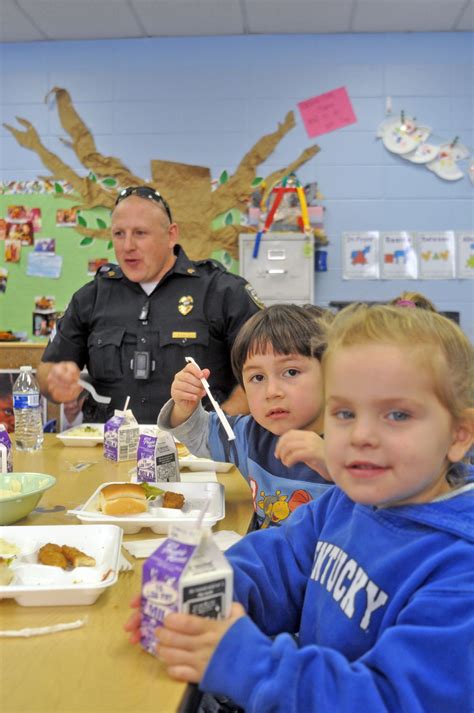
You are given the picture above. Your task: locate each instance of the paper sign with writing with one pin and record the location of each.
(465, 255)
(327, 112)
(437, 255)
(360, 255)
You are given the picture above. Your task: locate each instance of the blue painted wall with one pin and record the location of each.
(207, 100)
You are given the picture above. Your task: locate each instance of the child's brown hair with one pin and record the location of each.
(286, 328)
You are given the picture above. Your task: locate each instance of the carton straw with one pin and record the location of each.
(126, 404)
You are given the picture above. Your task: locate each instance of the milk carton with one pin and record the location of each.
(6, 458)
(121, 434)
(157, 458)
(186, 573)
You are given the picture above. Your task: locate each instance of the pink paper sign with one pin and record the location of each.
(327, 112)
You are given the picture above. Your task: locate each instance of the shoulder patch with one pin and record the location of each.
(109, 271)
(253, 296)
(215, 264)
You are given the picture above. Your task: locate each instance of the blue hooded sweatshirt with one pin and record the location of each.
(382, 600)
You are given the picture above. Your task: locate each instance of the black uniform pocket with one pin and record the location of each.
(105, 357)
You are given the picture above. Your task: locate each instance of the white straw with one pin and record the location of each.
(126, 404)
(39, 631)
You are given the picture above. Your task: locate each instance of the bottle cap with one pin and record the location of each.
(26, 368)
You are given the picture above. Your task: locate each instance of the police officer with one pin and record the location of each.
(134, 323)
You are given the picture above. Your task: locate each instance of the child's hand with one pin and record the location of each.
(133, 624)
(186, 392)
(302, 447)
(187, 642)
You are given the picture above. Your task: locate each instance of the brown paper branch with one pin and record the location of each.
(187, 188)
(84, 146)
(277, 176)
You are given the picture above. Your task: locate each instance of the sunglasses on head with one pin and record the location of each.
(144, 192)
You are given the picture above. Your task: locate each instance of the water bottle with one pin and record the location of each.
(26, 406)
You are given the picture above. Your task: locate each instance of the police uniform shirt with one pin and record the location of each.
(195, 310)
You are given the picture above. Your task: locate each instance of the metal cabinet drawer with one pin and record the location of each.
(282, 271)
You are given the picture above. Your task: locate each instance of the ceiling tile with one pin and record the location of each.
(189, 17)
(466, 20)
(87, 19)
(406, 16)
(298, 16)
(15, 26)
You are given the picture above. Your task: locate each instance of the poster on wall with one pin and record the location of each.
(437, 251)
(360, 257)
(399, 256)
(465, 253)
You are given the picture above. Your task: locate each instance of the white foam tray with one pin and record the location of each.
(40, 585)
(159, 519)
(70, 438)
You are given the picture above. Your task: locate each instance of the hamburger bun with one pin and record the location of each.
(122, 499)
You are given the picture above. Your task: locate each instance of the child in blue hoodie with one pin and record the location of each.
(377, 577)
(276, 447)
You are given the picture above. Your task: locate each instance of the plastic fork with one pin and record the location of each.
(97, 397)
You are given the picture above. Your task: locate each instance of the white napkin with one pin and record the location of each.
(144, 548)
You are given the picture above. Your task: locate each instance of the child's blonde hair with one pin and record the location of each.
(413, 299)
(443, 347)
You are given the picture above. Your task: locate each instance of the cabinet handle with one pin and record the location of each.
(276, 271)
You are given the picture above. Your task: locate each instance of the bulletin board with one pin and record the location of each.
(78, 255)
(17, 302)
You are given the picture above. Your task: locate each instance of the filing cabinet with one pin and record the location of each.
(283, 270)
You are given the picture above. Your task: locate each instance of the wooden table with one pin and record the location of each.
(92, 669)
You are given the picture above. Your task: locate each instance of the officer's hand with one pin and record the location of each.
(186, 392)
(62, 381)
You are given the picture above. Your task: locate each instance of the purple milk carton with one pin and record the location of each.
(121, 434)
(157, 458)
(186, 573)
(6, 457)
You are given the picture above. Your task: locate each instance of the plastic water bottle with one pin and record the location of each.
(26, 406)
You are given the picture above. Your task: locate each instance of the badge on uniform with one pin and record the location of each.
(253, 296)
(185, 304)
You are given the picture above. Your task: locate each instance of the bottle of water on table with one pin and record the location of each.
(26, 406)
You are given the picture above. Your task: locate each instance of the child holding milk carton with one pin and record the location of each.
(376, 578)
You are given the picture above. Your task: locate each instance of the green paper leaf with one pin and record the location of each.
(101, 223)
(229, 219)
(224, 177)
(256, 181)
(109, 182)
(110, 245)
(86, 241)
(92, 177)
(58, 188)
(81, 221)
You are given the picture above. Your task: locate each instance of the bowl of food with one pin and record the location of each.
(20, 493)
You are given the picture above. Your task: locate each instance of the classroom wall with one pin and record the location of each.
(207, 100)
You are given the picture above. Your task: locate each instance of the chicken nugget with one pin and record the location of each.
(173, 500)
(77, 558)
(51, 555)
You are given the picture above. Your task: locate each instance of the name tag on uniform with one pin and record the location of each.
(184, 335)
